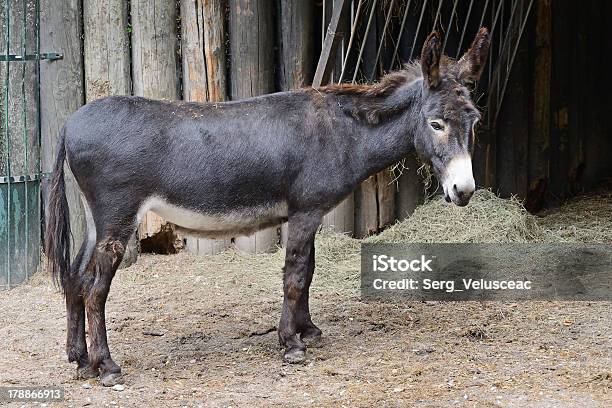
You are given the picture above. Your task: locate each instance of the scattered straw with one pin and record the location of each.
(487, 219)
(582, 219)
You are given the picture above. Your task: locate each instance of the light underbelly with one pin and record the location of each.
(217, 225)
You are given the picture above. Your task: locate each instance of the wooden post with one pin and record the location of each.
(410, 188)
(154, 68)
(252, 73)
(214, 49)
(297, 43)
(61, 93)
(203, 51)
(539, 141)
(107, 63)
(366, 210)
(297, 51)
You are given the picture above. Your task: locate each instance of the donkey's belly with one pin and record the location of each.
(216, 225)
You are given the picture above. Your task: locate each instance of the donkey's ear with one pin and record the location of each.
(471, 65)
(430, 60)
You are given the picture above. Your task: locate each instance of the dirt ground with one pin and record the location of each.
(199, 331)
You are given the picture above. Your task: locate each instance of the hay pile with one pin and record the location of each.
(582, 219)
(487, 219)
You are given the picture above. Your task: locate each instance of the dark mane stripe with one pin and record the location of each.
(384, 87)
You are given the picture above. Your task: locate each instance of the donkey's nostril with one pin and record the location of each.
(455, 187)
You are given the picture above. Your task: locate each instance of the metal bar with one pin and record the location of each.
(516, 45)
(31, 57)
(8, 146)
(399, 38)
(467, 19)
(365, 37)
(38, 124)
(25, 138)
(507, 34)
(437, 13)
(350, 44)
(450, 22)
(416, 34)
(24, 177)
(484, 11)
(382, 38)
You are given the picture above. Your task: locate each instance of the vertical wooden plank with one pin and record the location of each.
(252, 73)
(196, 18)
(214, 48)
(560, 99)
(195, 86)
(410, 188)
(61, 93)
(154, 67)
(539, 141)
(385, 197)
(297, 51)
(107, 64)
(366, 208)
(297, 43)
(512, 128)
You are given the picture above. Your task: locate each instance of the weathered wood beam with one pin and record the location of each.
(154, 70)
(252, 73)
(203, 64)
(61, 94)
(107, 64)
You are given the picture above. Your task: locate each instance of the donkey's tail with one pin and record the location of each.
(57, 232)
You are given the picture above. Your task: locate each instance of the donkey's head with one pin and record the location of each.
(446, 133)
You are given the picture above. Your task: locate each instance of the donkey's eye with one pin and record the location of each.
(436, 125)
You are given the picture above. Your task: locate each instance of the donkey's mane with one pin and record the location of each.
(384, 87)
(371, 103)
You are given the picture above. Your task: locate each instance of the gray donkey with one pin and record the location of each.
(225, 169)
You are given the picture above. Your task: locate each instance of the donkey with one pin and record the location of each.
(223, 169)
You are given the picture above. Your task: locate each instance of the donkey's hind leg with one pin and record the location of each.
(112, 238)
(76, 345)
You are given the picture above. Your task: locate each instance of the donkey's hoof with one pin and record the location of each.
(294, 355)
(85, 373)
(111, 379)
(311, 337)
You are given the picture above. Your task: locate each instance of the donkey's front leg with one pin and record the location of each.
(302, 229)
(106, 259)
(309, 333)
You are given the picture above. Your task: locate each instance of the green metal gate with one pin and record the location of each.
(20, 170)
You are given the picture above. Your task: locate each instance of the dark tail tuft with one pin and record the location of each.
(57, 232)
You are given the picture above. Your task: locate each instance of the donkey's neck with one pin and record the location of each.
(379, 146)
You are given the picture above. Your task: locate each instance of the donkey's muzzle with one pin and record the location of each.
(462, 194)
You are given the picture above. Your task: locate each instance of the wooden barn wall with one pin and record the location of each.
(552, 134)
(551, 140)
